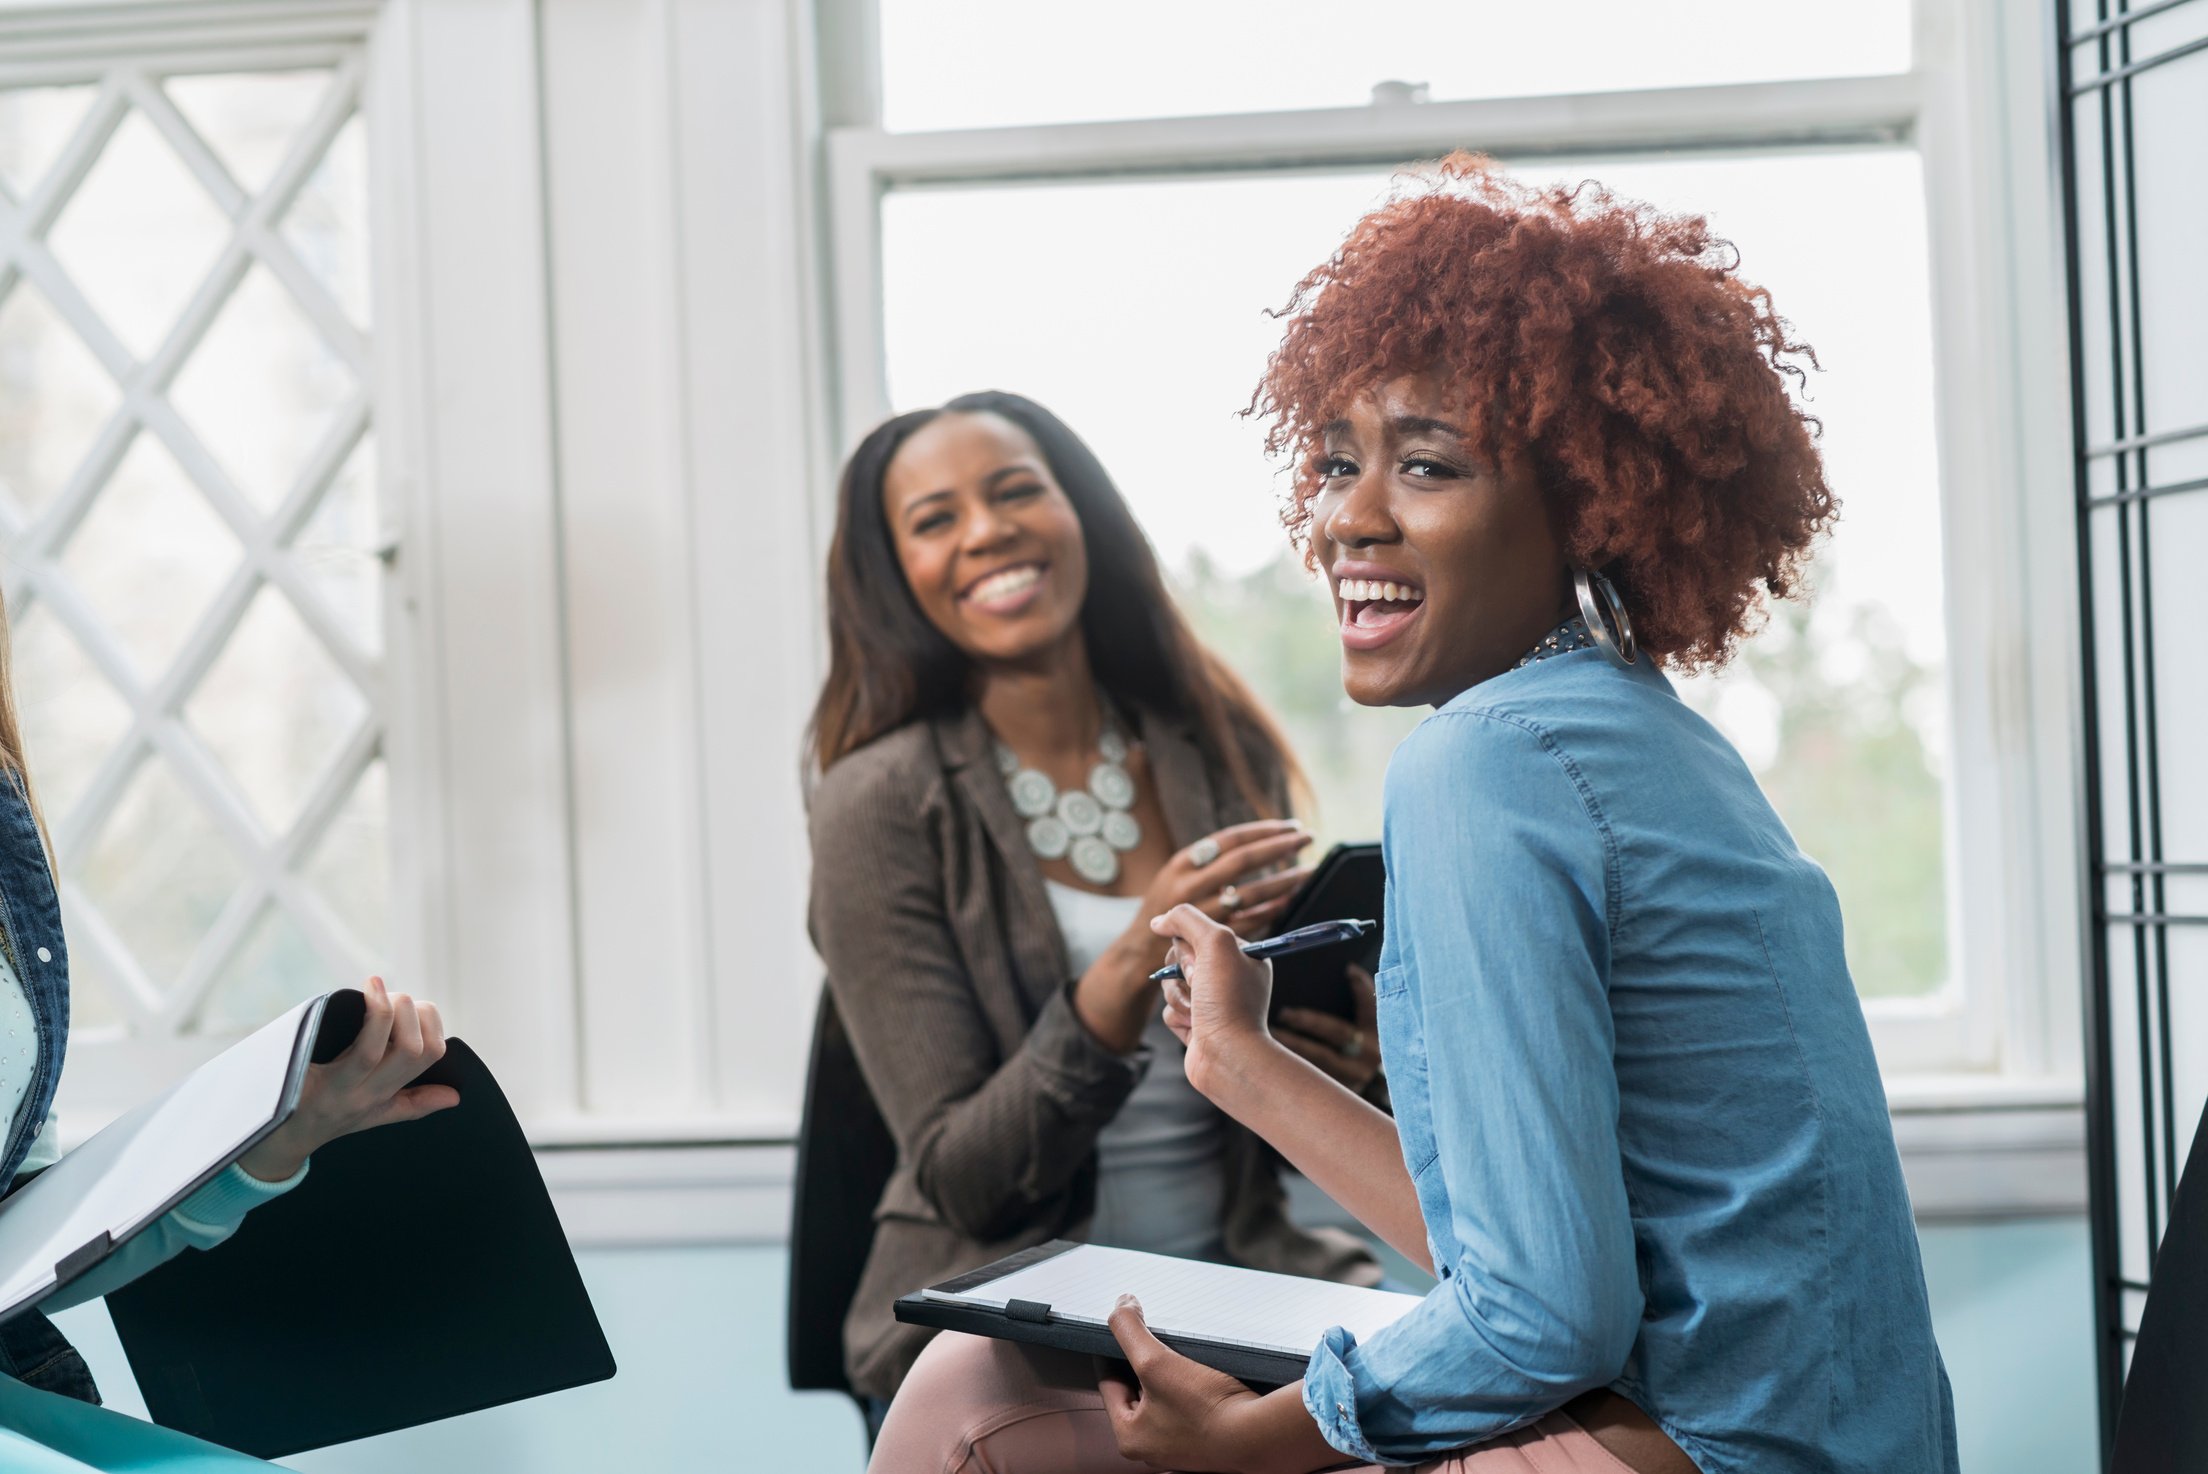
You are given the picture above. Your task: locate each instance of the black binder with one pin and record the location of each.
(418, 1273)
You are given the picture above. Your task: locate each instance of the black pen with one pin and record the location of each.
(1302, 939)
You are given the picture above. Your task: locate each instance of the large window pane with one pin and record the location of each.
(992, 63)
(1138, 311)
(196, 595)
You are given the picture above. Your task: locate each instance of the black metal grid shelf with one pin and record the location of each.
(2132, 1086)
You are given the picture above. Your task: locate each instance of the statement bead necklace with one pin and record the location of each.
(1088, 828)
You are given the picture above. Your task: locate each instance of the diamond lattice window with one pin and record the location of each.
(190, 536)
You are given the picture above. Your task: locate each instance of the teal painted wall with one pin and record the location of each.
(699, 1336)
(2013, 1306)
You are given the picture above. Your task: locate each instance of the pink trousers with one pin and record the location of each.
(973, 1405)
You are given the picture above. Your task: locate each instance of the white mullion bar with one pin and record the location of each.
(267, 863)
(350, 956)
(283, 571)
(199, 463)
(82, 67)
(299, 901)
(69, 39)
(88, 929)
(343, 951)
(262, 551)
(155, 24)
(323, 463)
(78, 155)
(330, 792)
(202, 774)
(338, 103)
(337, 107)
(314, 299)
(77, 827)
(250, 215)
(192, 324)
(1749, 115)
(148, 706)
(340, 950)
(860, 369)
(211, 172)
(44, 535)
(282, 568)
(217, 945)
(42, 270)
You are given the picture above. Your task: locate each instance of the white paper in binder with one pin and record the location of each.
(94, 1200)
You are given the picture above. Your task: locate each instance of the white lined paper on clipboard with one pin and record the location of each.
(1222, 1304)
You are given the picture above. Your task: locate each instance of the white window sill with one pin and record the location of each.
(1980, 1147)
(1971, 1149)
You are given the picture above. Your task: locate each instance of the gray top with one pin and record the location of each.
(1160, 1171)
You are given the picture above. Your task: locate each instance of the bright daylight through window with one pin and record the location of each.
(189, 520)
(1005, 63)
(1138, 311)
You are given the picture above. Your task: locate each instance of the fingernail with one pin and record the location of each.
(1129, 1302)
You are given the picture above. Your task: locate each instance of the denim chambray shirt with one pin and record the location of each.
(1637, 1096)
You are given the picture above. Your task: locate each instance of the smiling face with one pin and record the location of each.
(1444, 570)
(990, 545)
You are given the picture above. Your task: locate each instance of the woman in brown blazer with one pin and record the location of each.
(1023, 755)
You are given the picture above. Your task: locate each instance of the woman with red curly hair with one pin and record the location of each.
(1640, 1137)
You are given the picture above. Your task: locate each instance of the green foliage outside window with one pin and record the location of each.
(1849, 771)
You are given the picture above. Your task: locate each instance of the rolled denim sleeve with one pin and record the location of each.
(1503, 883)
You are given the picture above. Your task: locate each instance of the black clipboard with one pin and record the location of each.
(1351, 881)
(1033, 1324)
(281, 1340)
(1259, 1364)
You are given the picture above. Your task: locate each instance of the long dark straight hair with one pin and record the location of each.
(887, 665)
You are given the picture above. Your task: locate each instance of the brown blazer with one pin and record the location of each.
(951, 976)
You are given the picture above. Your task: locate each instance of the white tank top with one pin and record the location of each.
(1161, 1170)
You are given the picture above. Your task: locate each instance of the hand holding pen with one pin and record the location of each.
(1302, 939)
(1217, 993)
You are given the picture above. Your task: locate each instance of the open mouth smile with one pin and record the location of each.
(1006, 591)
(1375, 610)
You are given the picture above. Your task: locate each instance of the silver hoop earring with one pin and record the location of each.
(1608, 625)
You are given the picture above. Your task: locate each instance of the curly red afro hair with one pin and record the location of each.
(1611, 343)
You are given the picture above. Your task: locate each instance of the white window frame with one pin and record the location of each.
(122, 51)
(594, 372)
(629, 948)
(2006, 1034)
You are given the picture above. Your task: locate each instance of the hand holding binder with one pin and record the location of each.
(247, 1345)
(371, 1083)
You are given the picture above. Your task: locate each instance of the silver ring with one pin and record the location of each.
(1203, 852)
(1354, 1046)
(1230, 898)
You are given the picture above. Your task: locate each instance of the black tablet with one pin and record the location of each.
(1349, 884)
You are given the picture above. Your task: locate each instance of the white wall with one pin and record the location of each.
(596, 256)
